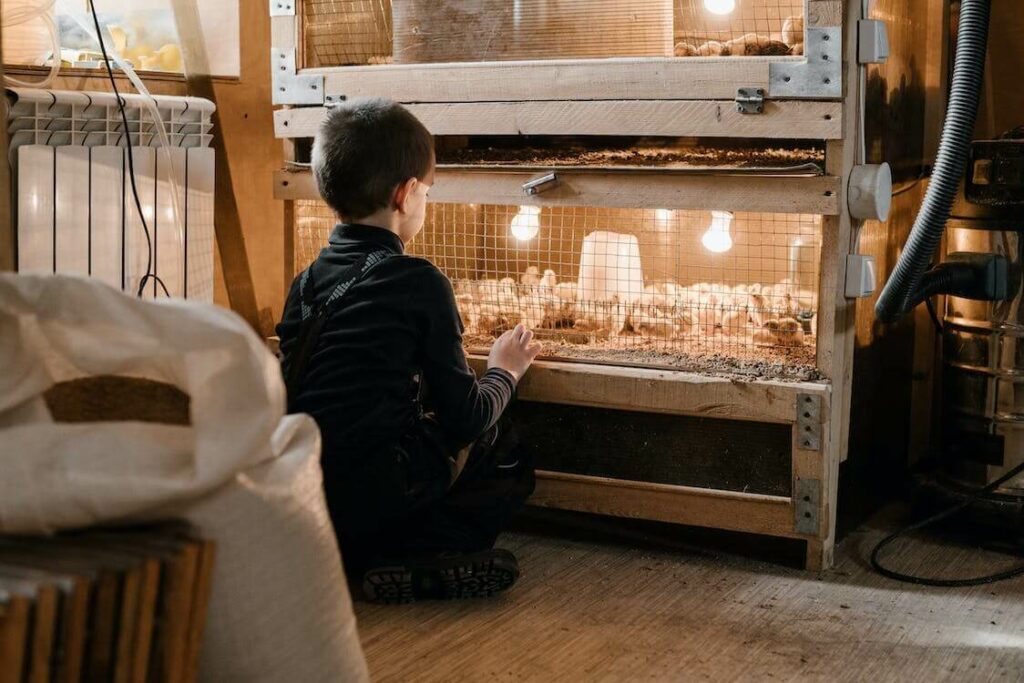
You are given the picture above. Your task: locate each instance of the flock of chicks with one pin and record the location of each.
(789, 42)
(766, 315)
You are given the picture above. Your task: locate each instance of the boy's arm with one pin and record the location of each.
(465, 406)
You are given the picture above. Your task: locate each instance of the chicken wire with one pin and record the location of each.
(630, 286)
(359, 32)
(752, 28)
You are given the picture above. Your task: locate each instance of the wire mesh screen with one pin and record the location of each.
(630, 286)
(353, 32)
(738, 28)
(346, 32)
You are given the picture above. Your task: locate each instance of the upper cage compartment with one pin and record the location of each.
(361, 32)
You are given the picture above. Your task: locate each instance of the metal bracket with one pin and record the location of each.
(332, 100)
(808, 421)
(290, 87)
(282, 8)
(750, 100)
(806, 502)
(819, 75)
(541, 184)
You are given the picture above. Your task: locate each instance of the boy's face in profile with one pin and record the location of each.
(413, 210)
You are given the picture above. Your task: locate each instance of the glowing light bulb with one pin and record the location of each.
(526, 223)
(720, 6)
(717, 239)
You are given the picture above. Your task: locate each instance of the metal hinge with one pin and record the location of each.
(808, 422)
(750, 100)
(282, 8)
(806, 499)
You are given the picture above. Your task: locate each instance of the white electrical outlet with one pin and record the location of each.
(860, 276)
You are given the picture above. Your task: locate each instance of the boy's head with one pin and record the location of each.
(372, 159)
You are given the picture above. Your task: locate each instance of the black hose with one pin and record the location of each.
(900, 293)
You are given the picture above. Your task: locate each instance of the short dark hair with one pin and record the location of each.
(364, 149)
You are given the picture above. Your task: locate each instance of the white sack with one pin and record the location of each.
(280, 609)
(59, 328)
(245, 475)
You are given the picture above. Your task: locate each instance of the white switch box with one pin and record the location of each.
(872, 41)
(860, 276)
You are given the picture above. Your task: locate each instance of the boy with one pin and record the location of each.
(419, 474)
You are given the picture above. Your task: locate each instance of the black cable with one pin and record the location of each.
(947, 583)
(131, 164)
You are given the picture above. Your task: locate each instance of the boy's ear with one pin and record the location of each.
(403, 192)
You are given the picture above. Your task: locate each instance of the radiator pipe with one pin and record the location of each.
(901, 292)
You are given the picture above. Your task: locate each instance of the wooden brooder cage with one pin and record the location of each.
(656, 188)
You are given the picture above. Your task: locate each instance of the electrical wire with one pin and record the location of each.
(930, 304)
(946, 583)
(131, 164)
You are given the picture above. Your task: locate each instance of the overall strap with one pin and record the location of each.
(314, 316)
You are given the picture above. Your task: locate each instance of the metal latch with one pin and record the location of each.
(750, 100)
(541, 184)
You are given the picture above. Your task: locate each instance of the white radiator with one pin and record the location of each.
(76, 212)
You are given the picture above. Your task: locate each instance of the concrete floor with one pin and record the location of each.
(601, 601)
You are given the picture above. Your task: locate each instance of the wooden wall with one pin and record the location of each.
(253, 154)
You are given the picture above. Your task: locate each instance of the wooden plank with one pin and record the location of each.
(650, 78)
(825, 13)
(42, 624)
(752, 513)
(202, 589)
(15, 612)
(776, 194)
(73, 615)
(696, 118)
(661, 391)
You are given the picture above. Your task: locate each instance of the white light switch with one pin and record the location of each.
(860, 276)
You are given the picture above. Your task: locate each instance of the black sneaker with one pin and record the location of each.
(442, 577)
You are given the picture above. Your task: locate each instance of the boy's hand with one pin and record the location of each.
(514, 351)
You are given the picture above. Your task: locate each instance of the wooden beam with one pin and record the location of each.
(647, 78)
(752, 513)
(708, 118)
(777, 194)
(227, 224)
(662, 391)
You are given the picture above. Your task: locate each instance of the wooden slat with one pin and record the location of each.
(661, 391)
(14, 634)
(694, 78)
(752, 513)
(708, 118)
(814, 195)
(6, 223)
(202, 589)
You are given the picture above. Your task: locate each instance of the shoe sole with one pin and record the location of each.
(478, 576)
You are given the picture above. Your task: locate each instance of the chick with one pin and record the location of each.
(712, 48)
(789, 332)
(469, 311)
(684, 49)
(752, 44)
(530, 277)
(793, 30)
(549, 281)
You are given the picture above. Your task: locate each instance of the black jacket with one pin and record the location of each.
(396, 328)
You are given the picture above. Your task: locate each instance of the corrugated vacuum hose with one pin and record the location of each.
(903, 289)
